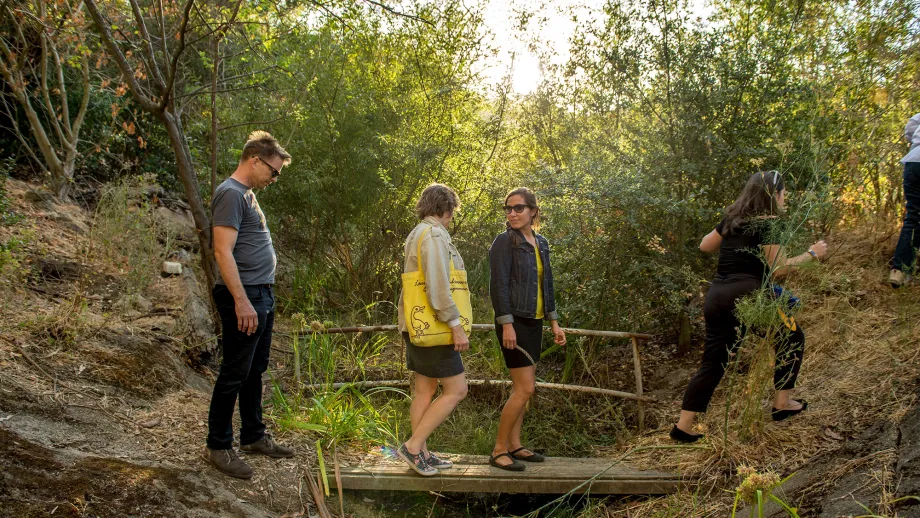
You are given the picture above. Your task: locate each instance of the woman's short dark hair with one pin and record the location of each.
(436, 200)
(758, 198)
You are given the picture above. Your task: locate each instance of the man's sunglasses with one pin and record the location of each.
(519, 208)
(275, 173)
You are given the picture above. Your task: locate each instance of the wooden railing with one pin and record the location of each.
(635, 338)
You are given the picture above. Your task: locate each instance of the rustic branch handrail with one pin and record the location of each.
(638, 397)
(476, 327)
(485, 383)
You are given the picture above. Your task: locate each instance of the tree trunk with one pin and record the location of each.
(61, 184)
(683, 319)
(187, 174)
(201, 339)
(214, 71)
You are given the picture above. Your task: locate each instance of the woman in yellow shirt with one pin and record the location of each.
(521, 289)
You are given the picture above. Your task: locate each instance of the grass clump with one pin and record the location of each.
(757, 489)
(14, 255)
(126, 233)
(7, 215)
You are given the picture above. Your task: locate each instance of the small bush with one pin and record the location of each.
(127, 234)
(7, 215)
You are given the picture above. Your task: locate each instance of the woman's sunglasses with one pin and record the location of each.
(519, 208)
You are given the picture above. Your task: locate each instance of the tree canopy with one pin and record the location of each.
(633, 145)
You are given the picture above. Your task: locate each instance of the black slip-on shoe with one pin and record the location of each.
(514, 466)
(533, 457)
(779, 415)
(681, 436)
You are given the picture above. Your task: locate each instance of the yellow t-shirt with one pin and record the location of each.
(540, 308)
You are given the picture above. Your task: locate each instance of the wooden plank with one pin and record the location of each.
(471, 473)
(532, 471)
(441, 484)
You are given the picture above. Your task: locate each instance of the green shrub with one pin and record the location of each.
(127, 235)
(7, 215)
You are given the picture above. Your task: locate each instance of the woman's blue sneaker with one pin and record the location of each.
(416, 461)
(437, 462)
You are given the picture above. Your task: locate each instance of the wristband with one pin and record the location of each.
(813, 254)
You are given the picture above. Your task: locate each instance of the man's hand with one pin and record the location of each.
(247, 320)
(461, 341)
(509, 337)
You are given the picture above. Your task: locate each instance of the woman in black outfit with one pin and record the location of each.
(748, 256)
(521, 288)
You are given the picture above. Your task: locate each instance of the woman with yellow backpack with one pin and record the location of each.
(435, 319)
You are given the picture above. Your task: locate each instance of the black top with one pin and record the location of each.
(740, 253)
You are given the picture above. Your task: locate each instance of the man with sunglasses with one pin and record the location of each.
(246, 303)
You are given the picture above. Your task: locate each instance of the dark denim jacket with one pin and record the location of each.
(513, 283)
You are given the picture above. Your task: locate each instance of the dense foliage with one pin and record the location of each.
(634, 145)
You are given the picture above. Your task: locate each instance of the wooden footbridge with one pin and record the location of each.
(473, 474)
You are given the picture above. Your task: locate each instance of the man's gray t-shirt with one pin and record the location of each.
(235, 205)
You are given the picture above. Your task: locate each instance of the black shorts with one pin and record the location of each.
(440, 361)
(529, 333)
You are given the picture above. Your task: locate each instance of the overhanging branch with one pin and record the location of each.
(120, 59)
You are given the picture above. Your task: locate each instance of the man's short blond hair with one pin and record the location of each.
(436, 200)
(263, 145)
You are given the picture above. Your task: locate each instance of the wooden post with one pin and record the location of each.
(638, 365)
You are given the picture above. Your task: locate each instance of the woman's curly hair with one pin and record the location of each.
(436, 200)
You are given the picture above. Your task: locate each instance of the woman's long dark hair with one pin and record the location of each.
(758, 198)
(530, 199)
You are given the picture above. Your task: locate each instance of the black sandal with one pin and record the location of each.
(533, 457)
(681, 436)
(514, 466)
(779, 415)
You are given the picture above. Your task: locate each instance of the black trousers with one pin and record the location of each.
(245, 359)
(723, 336)
(909, 240)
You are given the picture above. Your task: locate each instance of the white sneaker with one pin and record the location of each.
(897, 278)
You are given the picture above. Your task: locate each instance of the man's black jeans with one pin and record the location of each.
(245, 359)
(909, 240)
